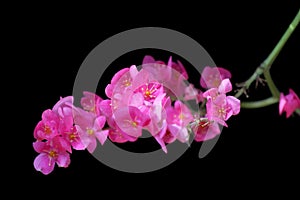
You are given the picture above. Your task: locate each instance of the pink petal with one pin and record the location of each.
(39, 146)
(183, 135)
(78, 145)
(63, 160)
(99, 122)
(210, 93)
(43, 164)
(161, 143)
(148, 59)
(62, 102)
(118, 75)
(225, 86)
(282, 103)
(109, 90)
(136, 100)
(102, 136)
(92, 145)
(224, 73)
(133, 71)
(234, 103)
(105, 107)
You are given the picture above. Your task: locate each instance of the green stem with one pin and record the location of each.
(275, 92)
(270, 59)
(260, 104)
(266, 65)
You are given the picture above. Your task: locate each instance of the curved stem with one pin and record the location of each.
(266, 65)
(275, 92)
(260, 104)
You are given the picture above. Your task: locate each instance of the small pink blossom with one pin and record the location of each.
(178, 118)
(89, 127)
(48, 127)
(131, 120)
(220, 107)
(206, 130)
(71, 135)
(51, 152)
(123, 78)
(289, 103)
(211, 77)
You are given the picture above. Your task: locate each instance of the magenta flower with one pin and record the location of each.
(71, 135)
(48, 127)
(89, 127)
(289, 103)
(211, 77)
(51, 152)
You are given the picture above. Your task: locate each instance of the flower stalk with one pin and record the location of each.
(264, 69)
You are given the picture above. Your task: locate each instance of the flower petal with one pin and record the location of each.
(43, 163)
(225, 86)
(102, 136)
(63, 159)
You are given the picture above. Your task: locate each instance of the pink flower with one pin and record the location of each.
(220, 107)
(150, 91)
(71, 135)
(117, 135)
(211, 77)
(131, 120)
(89, 127)
(178, 118)
(125, 76)
(51, 152)
(289, 103)
(48, 127)
(206, 130)
(90, 102)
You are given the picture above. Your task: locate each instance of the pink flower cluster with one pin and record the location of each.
(152, 99)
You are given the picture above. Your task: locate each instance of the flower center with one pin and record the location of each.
(53, 154)
(134, 124)
(72, 136)
(90, 131)
(126, 82)
(47, 130)
(181, 116)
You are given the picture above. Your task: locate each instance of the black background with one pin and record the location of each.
(259, 148)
